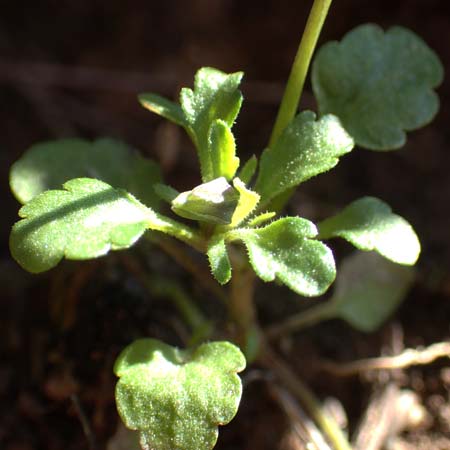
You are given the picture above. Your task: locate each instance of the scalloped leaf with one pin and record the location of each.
(369, 289)
(370, 224)
(177, 398)
(163, 107)
(85, 220)
(286, 251)
(50, 164)
(219, 260)
(305, 148)
(215, 96)
(380, 84)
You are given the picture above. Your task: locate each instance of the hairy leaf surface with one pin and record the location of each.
(219, 260)
(248, 200)
(380, 84)
(370, 224)
(215, 96)
(177, 398)
(222, 150)
(305, 148)
(85, 220)
(286, 251)
(50, 164)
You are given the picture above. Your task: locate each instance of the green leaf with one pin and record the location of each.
(284, 250)
(248, 170)
(223, 150)
(85, 220)
(177, 398)
(218, 259)
(215, 96)
(305, 149)
(163, 107)
(380, 84)
(50, 164)
(369, 289)
(370, 224)
(213, 202)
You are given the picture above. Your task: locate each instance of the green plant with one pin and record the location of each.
(371, 87)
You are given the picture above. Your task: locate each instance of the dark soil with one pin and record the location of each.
(74, 69)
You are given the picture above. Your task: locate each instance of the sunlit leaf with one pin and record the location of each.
(286, 251)
(50, 164)
(85, 220)
(223, 150)
(370, 224)
(247, 202)
(215, 96)
(305, 148)
(380, 84)
(177, 398)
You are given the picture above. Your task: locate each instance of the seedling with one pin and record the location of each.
(371, 88)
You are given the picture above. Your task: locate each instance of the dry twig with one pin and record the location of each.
(409, 357)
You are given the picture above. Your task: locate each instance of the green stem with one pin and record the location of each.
(242, 306)
(302, 320)
(294, 87)
(307, 399)
(158, 222)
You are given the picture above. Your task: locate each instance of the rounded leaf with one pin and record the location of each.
(370, 224)
(379, 84)
(48, 165)
(177, 398)
(85, 220)
(284, 250)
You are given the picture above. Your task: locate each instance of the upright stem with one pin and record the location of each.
(296, 81)
(242, 306)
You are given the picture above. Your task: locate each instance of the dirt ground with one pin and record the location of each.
(74, 69)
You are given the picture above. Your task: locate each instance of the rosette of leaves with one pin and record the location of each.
(105, 206)
(89, 217)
